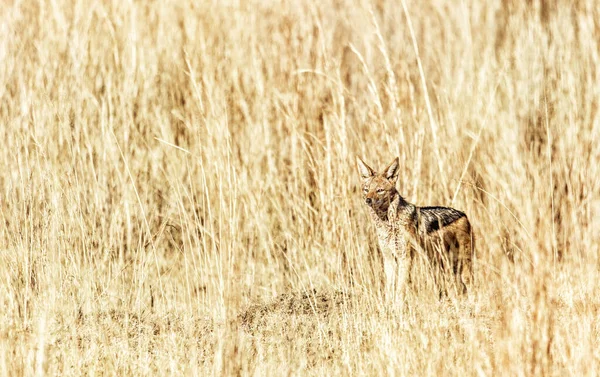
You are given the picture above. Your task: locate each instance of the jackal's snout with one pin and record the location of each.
(368, 201)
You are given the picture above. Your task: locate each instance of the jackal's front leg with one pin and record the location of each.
(397, 278)
(403, 277)
(389, 270)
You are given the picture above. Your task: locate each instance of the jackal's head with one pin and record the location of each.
(379, 189)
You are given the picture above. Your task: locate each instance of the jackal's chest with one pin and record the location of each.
(393, 241)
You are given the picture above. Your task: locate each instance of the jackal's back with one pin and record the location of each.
(433, 219)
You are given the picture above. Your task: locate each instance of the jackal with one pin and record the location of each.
(443, 235)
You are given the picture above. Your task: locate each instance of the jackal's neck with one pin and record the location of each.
(378, 216)
(397, 209)
(400, 210)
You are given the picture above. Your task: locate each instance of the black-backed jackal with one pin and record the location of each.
(443, 235)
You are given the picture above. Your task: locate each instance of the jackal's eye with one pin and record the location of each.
(380, 191)
(365, 190)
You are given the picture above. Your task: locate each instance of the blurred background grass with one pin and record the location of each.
(169, 165)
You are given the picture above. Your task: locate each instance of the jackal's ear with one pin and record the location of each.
(363, 169)
(391, 172)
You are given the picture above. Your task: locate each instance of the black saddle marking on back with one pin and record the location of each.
(434, 218)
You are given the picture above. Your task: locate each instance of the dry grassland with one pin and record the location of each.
(178, 193)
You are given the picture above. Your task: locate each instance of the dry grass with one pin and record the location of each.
(178, 194)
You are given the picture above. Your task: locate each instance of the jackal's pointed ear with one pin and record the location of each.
(363, 169)
(391, 172)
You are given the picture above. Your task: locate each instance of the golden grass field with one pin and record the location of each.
(178, 194)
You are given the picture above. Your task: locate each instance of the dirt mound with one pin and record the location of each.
(287, 306)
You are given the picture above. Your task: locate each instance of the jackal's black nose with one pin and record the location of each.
(368, 200)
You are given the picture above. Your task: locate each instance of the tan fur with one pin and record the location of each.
(442, 235)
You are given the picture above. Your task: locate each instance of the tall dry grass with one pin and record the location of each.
(179, 196)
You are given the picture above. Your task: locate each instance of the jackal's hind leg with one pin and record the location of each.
(455, 254)
(466, 259)
(461, 287)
